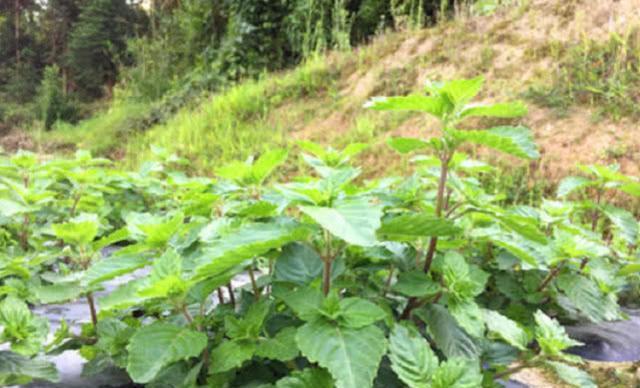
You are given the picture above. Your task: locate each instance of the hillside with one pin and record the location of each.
(518, 49)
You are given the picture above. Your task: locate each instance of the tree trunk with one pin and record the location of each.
(17, 30)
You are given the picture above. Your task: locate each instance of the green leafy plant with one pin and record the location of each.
(319, 280)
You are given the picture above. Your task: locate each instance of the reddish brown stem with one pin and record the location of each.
(442, 184)
(220, 295)
(92, 309)
(433, 243)
(550, 276)
(232, 297)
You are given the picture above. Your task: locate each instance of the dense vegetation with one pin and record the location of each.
(426, 280)
(60, 55)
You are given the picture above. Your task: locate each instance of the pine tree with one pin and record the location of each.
(98, 44)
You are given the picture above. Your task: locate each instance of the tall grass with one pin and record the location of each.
(604, 75)
(233, 124)
(104, 132)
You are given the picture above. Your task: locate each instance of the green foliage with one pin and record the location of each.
(335, 269)
(98, 43)
(600, 74)
(158, 345)
(54, 105)
(411, 357)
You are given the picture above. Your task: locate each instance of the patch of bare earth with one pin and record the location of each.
(514, 48)
(13, 141)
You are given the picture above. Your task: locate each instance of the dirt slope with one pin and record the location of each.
(515, 48)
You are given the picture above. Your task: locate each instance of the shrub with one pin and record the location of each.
(54, 104)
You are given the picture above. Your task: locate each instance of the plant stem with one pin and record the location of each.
(550, 276)
(326, 260)
(433, 243)
(254, 285)
(24, 233)
(92, 309)
(594, 216)
(442, 183)
(232, 297)
(387, 284)
(186, 313)
(74, 206)
(326, 277)
(220, 295)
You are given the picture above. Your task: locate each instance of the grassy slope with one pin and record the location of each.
(516, 48)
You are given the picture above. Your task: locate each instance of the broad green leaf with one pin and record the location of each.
(631, 188)
(236, 171)
(521, 248)
(113, 336)
(281, 347)
(502, 327)
(526, 227)
(572, 375)
(57, 293)
(153, 230)
(258, 209)
(463, 281)
(572, 183)
(307, 378)
(305, 302)
(165, 279)
(517, 141)
(450, 338)
(266, 163)
(457, 373)
(114, 266)
(114, 237)
(10, 208)
(629, 269)
(587, 298)
(468, 315)
(124, 296)
(231, 354)
(155, 346)
(410, 227)
(624, 222)
(352, 356)
(354, 221)
(250, 325)
(416, 284)
(458, 91)
(551, 336)
(405, 145)
(411, 357)
(24, 331)
(415, 102)
(298, 263)
(356, 313)
(18, 369)
(243, 243)
(80, 231)
(505, 110)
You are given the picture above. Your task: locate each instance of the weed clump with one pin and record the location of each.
(605, 75)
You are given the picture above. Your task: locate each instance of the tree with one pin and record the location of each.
(98, 44)
(54, 105)
(57, 22)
